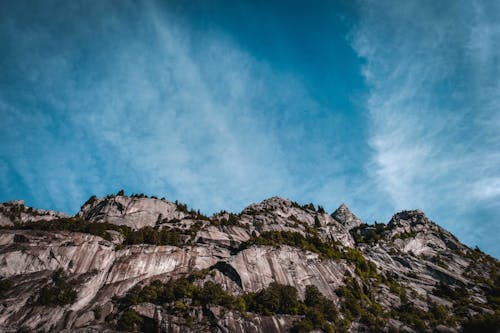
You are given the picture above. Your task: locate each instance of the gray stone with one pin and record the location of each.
(413, 250)
(84, 319)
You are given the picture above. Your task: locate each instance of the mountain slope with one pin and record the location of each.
(137, 263)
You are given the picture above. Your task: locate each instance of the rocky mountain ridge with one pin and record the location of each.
(133, 263)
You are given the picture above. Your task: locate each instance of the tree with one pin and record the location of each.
(313, 297)
(317, 222)
(130, 321)
(58, 292)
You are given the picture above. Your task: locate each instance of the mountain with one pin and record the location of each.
(137, 263)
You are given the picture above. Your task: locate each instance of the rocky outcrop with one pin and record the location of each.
(134, 212)
(409, 263)
(16, 212)
(289, 266)
(412, 231)
(345, 217)
(99, 270)
(221, 320)
(278, 214)
(226, 236)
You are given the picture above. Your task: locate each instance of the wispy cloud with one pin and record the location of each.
(98, 97)
(433, 105)
(159, 109)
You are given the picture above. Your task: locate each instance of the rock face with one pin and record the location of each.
(408, 275)
(344, 216)
(15, 212)
(135, 212)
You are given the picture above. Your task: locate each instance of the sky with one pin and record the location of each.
(382, 105)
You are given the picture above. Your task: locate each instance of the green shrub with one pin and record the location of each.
(130, 321)
(315, 300)
(302, 326)
(295, 239)
(146, 235)
(359, 304)
(59, 292)
(5, 286)
(364, 268)
(75, 224)
(276, 298)
(149, 235)
(411, 316)
(97, 312)
(486, 323)
(212, 293)
(366, 233)
(457, 294)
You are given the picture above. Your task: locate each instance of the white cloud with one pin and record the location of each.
(133, 97)
(171, 113)
(487, 188)
(433, 106)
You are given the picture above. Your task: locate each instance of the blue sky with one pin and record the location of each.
(383, 105)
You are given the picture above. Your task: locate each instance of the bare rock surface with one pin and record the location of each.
(16, 212)
(345, 217)
(55, 280)
(257, 267)
(135, 212)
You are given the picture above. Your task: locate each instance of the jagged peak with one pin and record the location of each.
(276, 200)
(13, 203)
(268, 204)
(412, 222)
(414, 217)
(343, 208)
(344, 216)
(280, 203)
(16, 211)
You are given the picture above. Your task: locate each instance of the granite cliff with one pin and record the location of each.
(134, 263)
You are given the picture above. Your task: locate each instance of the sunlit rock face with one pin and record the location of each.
(278, 214)
(17, 213)
(135, 212)
(410, 263)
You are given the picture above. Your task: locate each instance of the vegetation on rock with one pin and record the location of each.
(178, 296)
(58, 292)
(385, 286)
(146, 235)
(5, 286)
